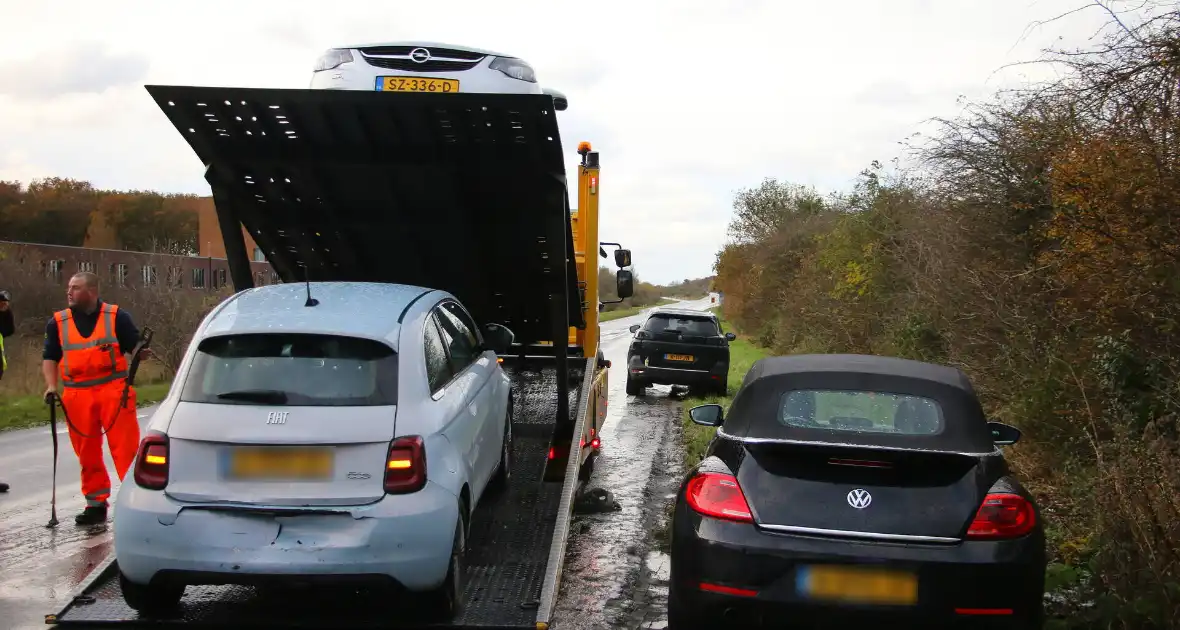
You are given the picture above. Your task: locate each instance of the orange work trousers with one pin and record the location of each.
(93, 410)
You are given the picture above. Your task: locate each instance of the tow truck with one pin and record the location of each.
(463, 192)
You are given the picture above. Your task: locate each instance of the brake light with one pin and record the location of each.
(1002, 515)
(595, 443)
(405, 467)
(151, 464)
(718, 496)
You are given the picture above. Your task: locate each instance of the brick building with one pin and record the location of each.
(207, 271)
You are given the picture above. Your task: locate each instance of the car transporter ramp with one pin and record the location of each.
(461, 192)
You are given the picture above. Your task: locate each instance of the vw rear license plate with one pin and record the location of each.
(280, 463)
(417, 84)
(857, 585)
(678, 357)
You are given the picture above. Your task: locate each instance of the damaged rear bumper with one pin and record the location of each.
(404, 539)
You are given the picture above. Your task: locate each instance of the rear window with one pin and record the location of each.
(292, 369)
(861, 412)
(688, 326)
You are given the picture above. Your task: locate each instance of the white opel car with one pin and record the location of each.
(345, 440)
(426, 67)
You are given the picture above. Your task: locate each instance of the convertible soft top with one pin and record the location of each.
(758, 402)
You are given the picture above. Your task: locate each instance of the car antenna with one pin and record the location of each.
(307, 282)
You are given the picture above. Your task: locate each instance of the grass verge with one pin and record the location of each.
(22, 412)
(742, 355)
(606, 316)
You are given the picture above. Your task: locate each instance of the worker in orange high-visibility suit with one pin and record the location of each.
(84, 347)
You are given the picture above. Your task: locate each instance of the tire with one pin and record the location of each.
(586, 470)
(635, 388)
(150, 599)
(447, 600)
(503, 475)
(723, 388)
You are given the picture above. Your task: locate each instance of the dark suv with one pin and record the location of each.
(678, 346)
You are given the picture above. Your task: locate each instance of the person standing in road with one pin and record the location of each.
(7, 329)
(85, 346)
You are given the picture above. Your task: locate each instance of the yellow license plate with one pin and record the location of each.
(417, 84)
(678, 357)
(305, 464)
(858, 585)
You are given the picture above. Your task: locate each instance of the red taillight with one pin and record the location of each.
(405, 468)
(1002, 515)
(718, 496)
(151, 464)
(595, 443)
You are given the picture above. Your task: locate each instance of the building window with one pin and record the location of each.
(86, 266)
(198, 278)
(274, 278)
(149, 275)
(52, 269)
(258, 255)
(219, 274)
(259, 278)
(118, 274)
(176, 276)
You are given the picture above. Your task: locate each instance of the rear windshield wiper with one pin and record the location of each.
(272, 396)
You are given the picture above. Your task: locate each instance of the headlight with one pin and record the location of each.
(515, 68)
(332, 59)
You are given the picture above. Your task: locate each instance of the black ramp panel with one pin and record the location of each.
(461, 192)
(510, 539)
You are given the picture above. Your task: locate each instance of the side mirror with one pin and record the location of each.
(1003, 434)
(622, 258)
(498, 337)
(730, 336)
(634, 328)
(624, 283)
(560, 102)
(707, 415)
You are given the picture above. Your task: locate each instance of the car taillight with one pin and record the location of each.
(1002, 515)
(151, 464)
(718, 496)
(405, 468)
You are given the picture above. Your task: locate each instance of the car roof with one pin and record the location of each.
(428, 45)
(674, 310)
(360, 309)
(867, 365)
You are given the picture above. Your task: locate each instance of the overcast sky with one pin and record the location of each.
(687, 100)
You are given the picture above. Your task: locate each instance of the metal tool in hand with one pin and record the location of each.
(52, 401)
(145, 341)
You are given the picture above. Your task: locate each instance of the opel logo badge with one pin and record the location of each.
(420, 55)
(859, 498)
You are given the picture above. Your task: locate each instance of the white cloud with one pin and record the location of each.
(687, 100)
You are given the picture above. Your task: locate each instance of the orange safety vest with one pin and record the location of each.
(94, 360)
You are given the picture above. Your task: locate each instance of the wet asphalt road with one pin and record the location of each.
(40, 567)
(613, 577)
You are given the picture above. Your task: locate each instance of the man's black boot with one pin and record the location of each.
(92, 516)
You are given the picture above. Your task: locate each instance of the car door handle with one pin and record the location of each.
(439, 394)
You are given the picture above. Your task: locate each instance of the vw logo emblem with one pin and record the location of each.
(859, 499)
(420, 55)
